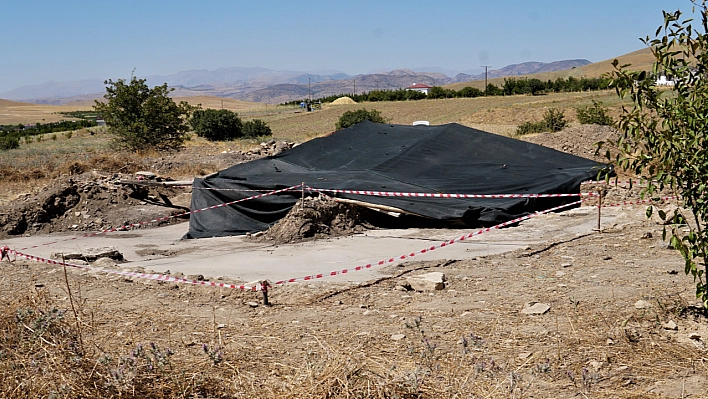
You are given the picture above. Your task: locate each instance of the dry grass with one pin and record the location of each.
(12, 112)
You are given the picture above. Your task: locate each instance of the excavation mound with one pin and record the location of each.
(420, 164)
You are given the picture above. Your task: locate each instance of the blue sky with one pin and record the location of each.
(73, 40)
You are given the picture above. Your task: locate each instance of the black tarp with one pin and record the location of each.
(431, 159)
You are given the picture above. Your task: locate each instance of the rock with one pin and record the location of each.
(427, 282)
(694, 336)
(220, 326)
(670, 325)
(400, 288)
(642, 304)
(252, 304)
(610, 341)
(595, 365)
(535, 308)
(145, 175)
(566, 264)
(398, 337)
(195, 277)
(560, 274)
(90, 254)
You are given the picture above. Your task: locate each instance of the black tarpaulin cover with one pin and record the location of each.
(379, 157)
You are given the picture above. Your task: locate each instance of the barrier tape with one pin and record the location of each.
(148, 276)
(131, 225)
(440, 195)
(425, 250)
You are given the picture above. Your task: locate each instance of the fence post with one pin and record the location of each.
(302, 200)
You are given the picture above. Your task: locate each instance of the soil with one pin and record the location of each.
(469, 339)
(623, 319)
(316, 218)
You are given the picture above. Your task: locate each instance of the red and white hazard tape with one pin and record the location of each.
(159, 277)
(131, 225)
(425, 250)
(441, 195)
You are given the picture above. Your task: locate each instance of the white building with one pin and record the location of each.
(423, 88)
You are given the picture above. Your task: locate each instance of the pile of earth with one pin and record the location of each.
(315, 218)
(577, 140)
(90, 202)
(343, 100)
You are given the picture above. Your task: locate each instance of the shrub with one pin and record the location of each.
(217, 125)
(69, 134)
(256, 128)
(554, 120)
(594, 115)
(9, 142)
(351, 118)
(530, 128)
(53, 137)
(28, 139)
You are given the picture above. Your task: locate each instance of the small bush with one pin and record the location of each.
(28, 139)
(530, 128)
(554, 120)
(39, 138)
(256, 128)
(53, 137)
(594, 115)
(69, 134)
(9, 142)
(351, 118)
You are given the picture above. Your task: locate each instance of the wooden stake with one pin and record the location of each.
(599, 209)
(264, 285)
(302, 200)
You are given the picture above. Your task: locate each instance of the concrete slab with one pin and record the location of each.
(161, 249)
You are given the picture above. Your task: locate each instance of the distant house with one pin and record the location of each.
(423, 88)
(663, 81)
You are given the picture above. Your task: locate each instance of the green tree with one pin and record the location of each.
(664, 134)
(256, 128)
(9, 142)
(215, 125)
(351, 118)
(142, 118)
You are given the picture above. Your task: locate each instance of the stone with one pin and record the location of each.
(195, 277)
(220, 326)
(145, 175)
(695, 336)
(90, 254)
(252, 304)
(566, 264)
(670, 325)
(642, 304)
(560, 274)
(398, 337)
(595, 365)
(535, 308)
(433, 281)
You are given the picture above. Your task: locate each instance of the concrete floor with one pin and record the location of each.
(235, 257)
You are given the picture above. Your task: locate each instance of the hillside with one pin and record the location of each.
(640, 60)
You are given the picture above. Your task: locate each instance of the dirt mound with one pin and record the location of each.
(89, 202)
(320, 217)
(343, 100)
(577, 140)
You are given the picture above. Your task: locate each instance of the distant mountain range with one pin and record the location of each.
(269, 86)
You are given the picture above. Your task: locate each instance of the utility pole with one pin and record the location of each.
(309, 93)
(486, 67)
(355, 87)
